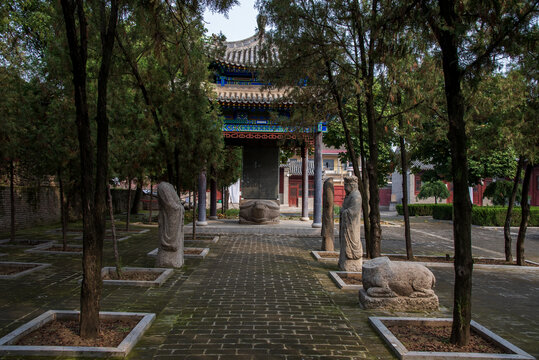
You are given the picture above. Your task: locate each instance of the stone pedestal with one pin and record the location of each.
(259, 211)
(399, 303)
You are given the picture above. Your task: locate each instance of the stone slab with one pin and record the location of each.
(202, 239)
(399, 303)
(476, 266)
(317, 255)
(6, 243)
(43, 249)
(202, 255)
(121, 238)
(38, 266)
(165, 274)
(403, 353)
(335, 276)
(6, 347)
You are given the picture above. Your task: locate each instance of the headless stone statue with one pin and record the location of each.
(327, 216)
(170, 219)
(397, 285)
(350, 258)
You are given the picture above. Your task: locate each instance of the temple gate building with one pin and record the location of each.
(253, 119)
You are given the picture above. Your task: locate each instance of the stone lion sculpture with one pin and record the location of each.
(401, 286)
(384, 278)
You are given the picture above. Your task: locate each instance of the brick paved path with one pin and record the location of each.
(256, 297)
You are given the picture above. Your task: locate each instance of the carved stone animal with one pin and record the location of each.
(259, 212)
(384, 278)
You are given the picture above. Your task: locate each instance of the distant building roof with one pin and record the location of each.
(245, 52)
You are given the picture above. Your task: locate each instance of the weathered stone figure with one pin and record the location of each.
(350, 258)
(327, 216)
(170, 219)
(397, 285)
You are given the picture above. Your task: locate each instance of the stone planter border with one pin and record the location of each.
(5, 242)
(318, 257)
(475, 266)
(120, 238)
(335, 276)
(403, 353)
(38, 266)
(202, 255)
(77, 351)
(165, 274)
(43, 249)
(204, 239)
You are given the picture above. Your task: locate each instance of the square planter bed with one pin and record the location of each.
(381, 324)
(159, 275)
(24, 242)
(326, 256)
(195, 252)
(109, 237)
(188, 252)
(8, 344)
(13, 270)
(131, 231)
(347, 280)
(56, 249)
(202, 239)
(480, 263)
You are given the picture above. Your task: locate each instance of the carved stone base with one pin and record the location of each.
(259, 211)
(399, 303)
(351, 265)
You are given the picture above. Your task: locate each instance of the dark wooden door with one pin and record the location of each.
(293, 195)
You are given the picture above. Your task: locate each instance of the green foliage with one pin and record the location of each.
(436, 189)
(495, 216)
(443, 212)
(488, 215)
(336, 210)
(499, 192)
(418, 209)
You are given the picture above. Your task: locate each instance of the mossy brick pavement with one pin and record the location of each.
(259, 295)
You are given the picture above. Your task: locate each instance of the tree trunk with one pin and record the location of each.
(462, 207)
(365, 178)
(195, 213)
(12, 199)
(507, 224)
(404, 165)
(62, 211)
(151, 200)
(525, 205)
(136, 199)
(128, 214)
(372, 171)
(223, 200)
(114, 237)
(92, 192)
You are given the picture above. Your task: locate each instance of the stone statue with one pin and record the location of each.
(170, 219)
(327, 216)
(397, 285)
(350, 258)
(259, 212)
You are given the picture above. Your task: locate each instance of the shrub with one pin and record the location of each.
(443, 212)
(417, 209)
(495, 216)
(436, 189)
(232, 213)
(499, 192)
(488, 215)
(336, 210)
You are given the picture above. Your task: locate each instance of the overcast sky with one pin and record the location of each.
(241, 22)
